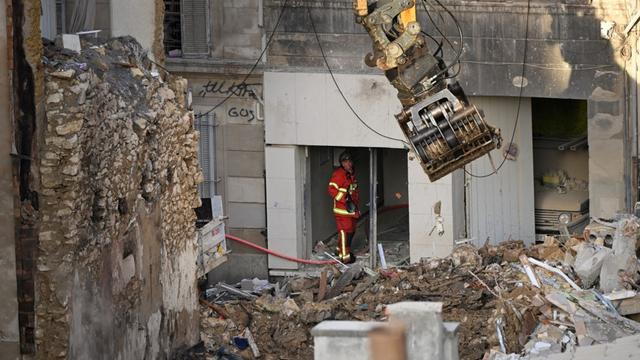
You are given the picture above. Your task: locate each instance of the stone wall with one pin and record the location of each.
(239, 165)
(119, 174)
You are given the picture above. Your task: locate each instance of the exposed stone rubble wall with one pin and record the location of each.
(119, 175)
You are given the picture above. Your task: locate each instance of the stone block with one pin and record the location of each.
(622, 265)
(241, 189)
(245, 164)
(244, 137)
(425, 331)
(246, 215)
(343, 340)
(588, 263)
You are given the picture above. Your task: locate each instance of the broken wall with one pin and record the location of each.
(27, 108)
(119, 175)
(9, 333)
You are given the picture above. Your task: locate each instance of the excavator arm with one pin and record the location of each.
(442, 127)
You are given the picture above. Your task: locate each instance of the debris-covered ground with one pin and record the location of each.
(507, 299)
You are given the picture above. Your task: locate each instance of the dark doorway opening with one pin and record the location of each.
(560, 165)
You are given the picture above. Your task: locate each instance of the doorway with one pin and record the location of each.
(560, 166)
(392, 225)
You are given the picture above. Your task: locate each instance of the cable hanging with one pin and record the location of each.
(335, 82)
(255, 65)
(515, 125)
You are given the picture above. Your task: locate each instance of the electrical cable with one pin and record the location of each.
(277, 254)
(459, 28)
(255, 65)
(515, 125)
(335, 82)
(439, 43)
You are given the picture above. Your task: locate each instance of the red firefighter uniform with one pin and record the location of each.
(343, 189)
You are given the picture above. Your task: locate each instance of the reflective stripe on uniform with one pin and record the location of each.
(343, 244)
(342, 211)
(339, 196)
(334, 185)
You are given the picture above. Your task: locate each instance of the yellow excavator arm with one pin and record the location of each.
(442, 127)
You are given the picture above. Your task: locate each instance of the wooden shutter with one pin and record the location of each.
(195, 27)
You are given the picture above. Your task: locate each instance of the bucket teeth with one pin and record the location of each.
(447, 133)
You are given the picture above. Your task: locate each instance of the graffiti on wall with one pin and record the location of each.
(222, 87)
(240, 112)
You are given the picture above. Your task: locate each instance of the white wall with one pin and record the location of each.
(135, 18)
(306, 109)
(285, 176)
(423, 196)
(502, 206)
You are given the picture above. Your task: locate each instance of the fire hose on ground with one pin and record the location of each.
(277, 254)
(291, 258)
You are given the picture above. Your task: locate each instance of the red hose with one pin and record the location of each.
(294, 259)
(283, 256)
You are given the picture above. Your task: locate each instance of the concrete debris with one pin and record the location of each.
(466, 254)
(255, 285)
(491, 297)
(620, 268)
(235, 291)
(588, 263)
(511, 301)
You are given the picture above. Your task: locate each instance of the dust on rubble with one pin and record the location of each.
(483, 289)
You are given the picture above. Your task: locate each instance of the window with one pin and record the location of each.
(186, 28)
(206, 157)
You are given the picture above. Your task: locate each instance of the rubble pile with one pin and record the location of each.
(511, 301)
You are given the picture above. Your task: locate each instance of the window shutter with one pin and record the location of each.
(195, 27)
(206, 156)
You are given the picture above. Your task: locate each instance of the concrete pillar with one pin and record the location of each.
(427, 337)
(342, 340)
(606, 136)
(9, 335)
(285, 174)
(451, 340)
(423, 196)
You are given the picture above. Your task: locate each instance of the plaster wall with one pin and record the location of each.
(307, 109)
(136, 19)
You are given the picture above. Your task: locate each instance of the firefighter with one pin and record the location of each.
(343, 189)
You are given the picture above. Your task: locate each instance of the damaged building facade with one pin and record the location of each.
(89, 196)
(558, 78)
(100, 182)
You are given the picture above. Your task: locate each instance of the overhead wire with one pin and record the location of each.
(255, 65)
(445, 38)
(515, 125)
(335, 82)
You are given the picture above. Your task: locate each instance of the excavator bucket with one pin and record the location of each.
(447, 132)
(442, 127)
